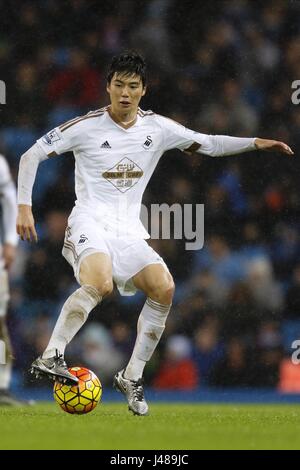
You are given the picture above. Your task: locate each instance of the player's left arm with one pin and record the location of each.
(177, 136)
(224, 145)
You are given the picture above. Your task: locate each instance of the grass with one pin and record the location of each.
(175, 426)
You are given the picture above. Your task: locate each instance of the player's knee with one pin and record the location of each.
(104, 287)
(168, 292)
(3, 309)
(101, 281)
(164, 292)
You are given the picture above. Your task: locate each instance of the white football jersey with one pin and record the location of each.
(113, 165)
(5, 177)
(8, 207)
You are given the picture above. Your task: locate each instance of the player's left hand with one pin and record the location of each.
(9, 254)
(273, 146)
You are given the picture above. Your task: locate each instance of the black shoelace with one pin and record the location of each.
(59, 359)
(138, 390)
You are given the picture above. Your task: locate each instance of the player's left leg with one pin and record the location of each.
(157, 283)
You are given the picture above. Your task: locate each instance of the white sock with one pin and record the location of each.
(5, 376)
(73, 315)
(150, 327)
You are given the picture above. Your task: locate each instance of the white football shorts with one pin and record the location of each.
(4, 292)
(84, 236)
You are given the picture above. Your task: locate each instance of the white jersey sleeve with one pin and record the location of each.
(67, 137)
(177, 136)
(28, 166)
(59, 140)
(4, 172)
(8, 203)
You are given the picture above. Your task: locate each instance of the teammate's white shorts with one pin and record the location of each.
(85, 236)
(4, 292)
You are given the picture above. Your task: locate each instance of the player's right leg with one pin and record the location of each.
(95, 277)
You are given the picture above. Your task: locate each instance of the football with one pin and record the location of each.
(81, 398)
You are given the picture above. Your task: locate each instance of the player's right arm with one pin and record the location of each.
(57, 141)
(29, 163)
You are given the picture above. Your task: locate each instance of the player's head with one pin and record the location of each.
(127, 64)
(126, 80)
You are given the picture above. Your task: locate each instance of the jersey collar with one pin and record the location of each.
(121, 126)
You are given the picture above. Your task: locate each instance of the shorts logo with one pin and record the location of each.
(148, 142)
(51, 137)
(82, 239)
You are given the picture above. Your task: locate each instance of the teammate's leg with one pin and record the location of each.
(5, 369)
(157, 283)
(95, 276)
(6, 366)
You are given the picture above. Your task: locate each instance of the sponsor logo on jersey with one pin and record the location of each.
(124, 175)
(105, 145)
(82, 239)
(148, 142)
(51, 137)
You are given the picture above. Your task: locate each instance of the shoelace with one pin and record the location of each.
(138, 390)
(59, 359)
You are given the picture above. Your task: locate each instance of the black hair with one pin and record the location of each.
(128, 63)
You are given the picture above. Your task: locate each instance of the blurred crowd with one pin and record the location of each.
(217, 67)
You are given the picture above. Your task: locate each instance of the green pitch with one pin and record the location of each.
(175, 426)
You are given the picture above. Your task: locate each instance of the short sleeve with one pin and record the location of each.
(177, 136)
(59, 140)
(5, 176)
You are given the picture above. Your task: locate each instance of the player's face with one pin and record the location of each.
(125, 92)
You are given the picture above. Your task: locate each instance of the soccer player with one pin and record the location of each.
(116, 150)
(9, 239)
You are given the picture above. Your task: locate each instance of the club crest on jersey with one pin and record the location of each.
(124, 175)
(82, 239)
(148, 142)
(51, 137)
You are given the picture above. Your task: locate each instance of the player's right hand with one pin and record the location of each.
(25, 224)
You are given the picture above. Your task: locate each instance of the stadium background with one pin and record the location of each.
(217, 67)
